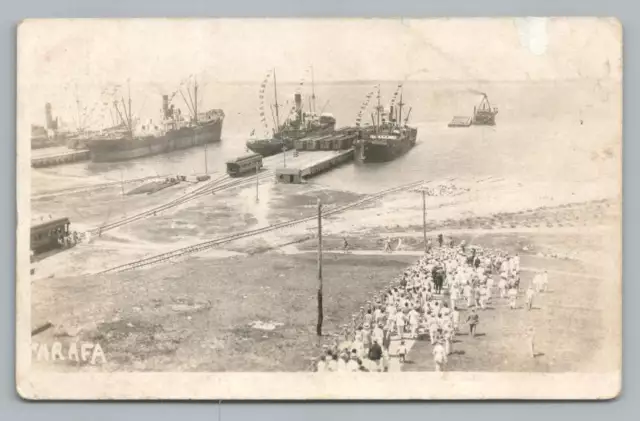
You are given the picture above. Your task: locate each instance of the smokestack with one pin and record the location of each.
(392, 116)
(165, 106)
(48, 116)
(298, 100)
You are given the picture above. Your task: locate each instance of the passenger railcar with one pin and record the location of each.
(244, 164)
(49, 235)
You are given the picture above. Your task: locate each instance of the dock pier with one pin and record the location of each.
(49, 157)
(324, 162)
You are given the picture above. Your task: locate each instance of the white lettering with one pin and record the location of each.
(56, 352)
(43, 353)
(97, 352)
(84, 351)
(88, 352)
(73, 352)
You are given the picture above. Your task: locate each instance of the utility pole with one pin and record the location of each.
(424, 219)
(319, 325)
(206, 164)
(257, 180)
(124, 206)
(284, 156)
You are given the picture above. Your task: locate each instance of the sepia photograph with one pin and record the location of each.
(317, 209)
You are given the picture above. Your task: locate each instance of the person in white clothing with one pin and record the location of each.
(529, 295)
(454, 295)
(544, 281)
(439, 356)
(321, 365)
(402, 352)
(353, 364)
(502, 286)
(414, 322)
(531, 333)
(400, 321)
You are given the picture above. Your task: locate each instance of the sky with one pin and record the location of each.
(58, 57)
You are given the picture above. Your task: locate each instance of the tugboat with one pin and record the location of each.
(389, 137)
(483, 114)
(298, 125)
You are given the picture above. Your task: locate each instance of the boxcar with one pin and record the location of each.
(244, 164)
(48, 235)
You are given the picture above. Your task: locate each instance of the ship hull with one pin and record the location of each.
(484, 119)
(269, 147)
(266, 147)
(370, 152)
(114, 150)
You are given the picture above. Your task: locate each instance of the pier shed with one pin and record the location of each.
(311, 167)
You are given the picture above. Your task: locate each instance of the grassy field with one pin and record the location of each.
(196, 315)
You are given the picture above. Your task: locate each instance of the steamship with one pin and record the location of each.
(299, 125)
(48, 135)
(176, 131)
(390, 136)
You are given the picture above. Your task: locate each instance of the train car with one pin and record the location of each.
(244, 164)
(49, 235)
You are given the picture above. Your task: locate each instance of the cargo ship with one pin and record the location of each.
(389, 136)
(299, 125)
(175, 131)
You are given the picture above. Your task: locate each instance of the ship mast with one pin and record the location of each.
(130, 116)
(275, 90)
(400, 104)
(195, 101)
(378, 111)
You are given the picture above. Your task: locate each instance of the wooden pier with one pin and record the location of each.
(296, 174)
(49, 157)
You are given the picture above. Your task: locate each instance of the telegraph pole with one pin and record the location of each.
(424, 218)
(206, 163)
(257, 182)
(319, 325)
(284, 156)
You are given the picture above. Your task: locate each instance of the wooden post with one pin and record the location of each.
(424, 219)
(320, 315)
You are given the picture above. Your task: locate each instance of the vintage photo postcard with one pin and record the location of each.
(320, 209)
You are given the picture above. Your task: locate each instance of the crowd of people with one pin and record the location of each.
(425, 302)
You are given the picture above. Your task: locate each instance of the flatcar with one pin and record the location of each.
(49, 235)
(244, 164)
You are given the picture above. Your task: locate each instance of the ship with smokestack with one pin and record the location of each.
(298, 125)
(483, 114)
(130, 139)
(48, 135)
(389, 135)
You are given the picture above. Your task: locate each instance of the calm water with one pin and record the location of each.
(538, 135)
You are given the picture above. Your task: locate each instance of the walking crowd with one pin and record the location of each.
(425, 301)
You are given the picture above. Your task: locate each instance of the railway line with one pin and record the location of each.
(82, 189)
(219, 184)
(329, 211)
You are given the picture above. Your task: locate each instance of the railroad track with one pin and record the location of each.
(329, 211)
(81, 189)
(219, 184)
